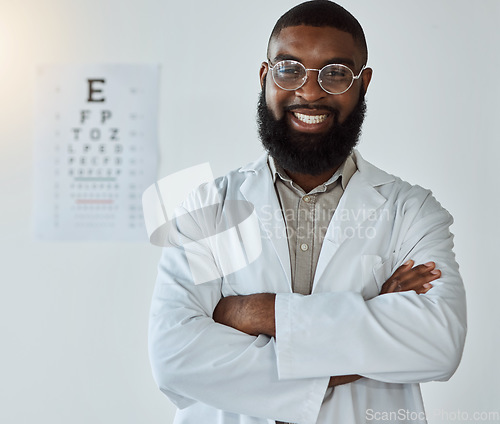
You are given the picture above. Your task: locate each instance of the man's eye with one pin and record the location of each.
(288, 72)
(335, 73)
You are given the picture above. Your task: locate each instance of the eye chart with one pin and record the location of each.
(95, 150)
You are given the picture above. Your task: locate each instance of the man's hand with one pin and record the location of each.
(252, 314)
(406, 278)
(338, 380)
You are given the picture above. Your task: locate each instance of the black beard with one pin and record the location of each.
(310, 154)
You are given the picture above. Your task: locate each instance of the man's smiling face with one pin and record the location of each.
(309, 130)
(314, 47)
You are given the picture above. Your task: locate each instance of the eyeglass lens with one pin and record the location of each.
(291, 75)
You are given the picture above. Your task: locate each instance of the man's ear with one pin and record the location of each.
(366, 77)
(264, 68)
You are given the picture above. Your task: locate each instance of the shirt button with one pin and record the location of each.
(306, 199)
(304, 247)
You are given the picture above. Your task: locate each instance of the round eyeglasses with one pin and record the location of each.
(290, 75)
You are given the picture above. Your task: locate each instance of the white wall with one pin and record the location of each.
(73, 316)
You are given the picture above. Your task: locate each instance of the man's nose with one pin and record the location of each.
(311, 90)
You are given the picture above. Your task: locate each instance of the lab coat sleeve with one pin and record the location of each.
(395, 338)
(195, 359)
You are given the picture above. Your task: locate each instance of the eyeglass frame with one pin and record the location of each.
(354, 77)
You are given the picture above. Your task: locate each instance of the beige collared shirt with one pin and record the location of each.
(307, 216)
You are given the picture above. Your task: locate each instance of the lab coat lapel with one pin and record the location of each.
(258, 189)
(360, 201)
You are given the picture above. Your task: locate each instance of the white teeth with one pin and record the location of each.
(310, 119)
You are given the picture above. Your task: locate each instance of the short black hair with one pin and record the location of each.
(322, 13)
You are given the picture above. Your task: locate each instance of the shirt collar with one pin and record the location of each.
(344, 172)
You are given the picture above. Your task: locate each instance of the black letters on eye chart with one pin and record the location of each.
(101, 127)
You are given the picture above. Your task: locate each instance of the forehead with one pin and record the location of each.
(315, 46)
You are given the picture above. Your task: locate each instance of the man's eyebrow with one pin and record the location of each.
(284, 56)
(340, 60)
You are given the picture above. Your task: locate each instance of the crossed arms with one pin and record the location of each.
(255, 314)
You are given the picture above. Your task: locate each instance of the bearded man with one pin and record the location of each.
(352, 303)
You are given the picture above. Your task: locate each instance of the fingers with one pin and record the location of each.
(417, 277)
(392, 283)
(403, 268)
(407, 278)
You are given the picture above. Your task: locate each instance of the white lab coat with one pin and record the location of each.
(216, 374)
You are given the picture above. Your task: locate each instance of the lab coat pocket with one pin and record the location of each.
(375, 272)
